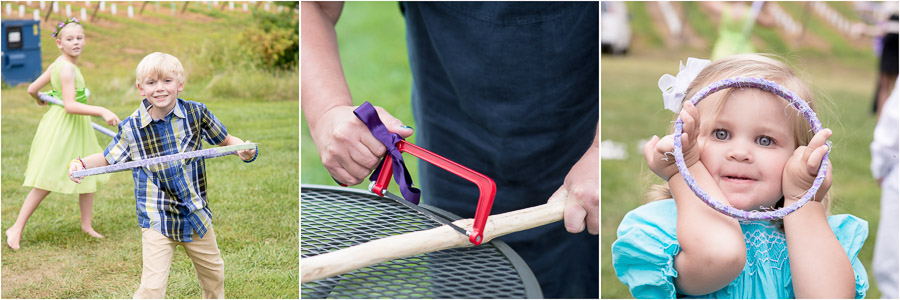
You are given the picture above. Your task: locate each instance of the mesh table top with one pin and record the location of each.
(333, 218)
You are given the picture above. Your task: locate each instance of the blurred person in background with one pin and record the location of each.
(884, 149)
(883, 30)
(736, 21)
(888, 66)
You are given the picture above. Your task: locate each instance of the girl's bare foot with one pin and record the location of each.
(90, 231)
(12, 238)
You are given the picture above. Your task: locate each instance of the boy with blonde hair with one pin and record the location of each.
(171, 198)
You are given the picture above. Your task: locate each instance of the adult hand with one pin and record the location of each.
(347, 149)
(110, 117)
(581, 192)
(802, 167)
(655, 150)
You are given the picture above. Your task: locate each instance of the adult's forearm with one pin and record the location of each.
(713, 251)
(814, 250)
(323, 85)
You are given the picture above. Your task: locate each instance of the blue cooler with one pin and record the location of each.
(21, 51)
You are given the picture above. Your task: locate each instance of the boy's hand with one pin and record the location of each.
(248, 154)
(75, 165)
(662, 164)
(801, 169)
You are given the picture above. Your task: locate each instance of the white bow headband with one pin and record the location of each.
(674, 87)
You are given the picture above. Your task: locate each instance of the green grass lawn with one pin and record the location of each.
(631, 110)
(255, 206)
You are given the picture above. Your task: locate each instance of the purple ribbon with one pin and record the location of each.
(367, 114)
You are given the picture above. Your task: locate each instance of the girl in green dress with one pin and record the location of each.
(63, 133)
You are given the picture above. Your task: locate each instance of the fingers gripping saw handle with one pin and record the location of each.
(486, 187)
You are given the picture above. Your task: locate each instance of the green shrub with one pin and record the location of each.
(274, 41)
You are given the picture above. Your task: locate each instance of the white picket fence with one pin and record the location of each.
(833, 18)
(40, 9)
(784, 20)
(671, 18)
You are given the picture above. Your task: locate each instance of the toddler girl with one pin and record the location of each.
(749, 149)
(63, 133)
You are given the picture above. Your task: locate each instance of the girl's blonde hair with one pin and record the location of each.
(764, 66)
(158, 64)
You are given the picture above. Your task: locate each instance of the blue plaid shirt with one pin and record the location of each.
(170, 197)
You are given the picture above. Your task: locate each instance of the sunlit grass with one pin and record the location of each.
(255, 206)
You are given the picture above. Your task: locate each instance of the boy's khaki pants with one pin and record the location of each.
(158, 252)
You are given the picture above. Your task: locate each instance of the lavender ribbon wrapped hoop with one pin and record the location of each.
(367, 114)
(205, 153)
(767, 86)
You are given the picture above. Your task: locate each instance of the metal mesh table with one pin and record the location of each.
(333, 218)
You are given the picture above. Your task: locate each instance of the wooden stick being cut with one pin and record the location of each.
(425, 241)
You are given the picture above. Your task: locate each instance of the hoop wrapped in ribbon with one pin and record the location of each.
(205, 153)
(54, 100)
(782, 92)
(367, 114)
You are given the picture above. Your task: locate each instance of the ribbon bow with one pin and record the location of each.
(674, 87)
(367, 114)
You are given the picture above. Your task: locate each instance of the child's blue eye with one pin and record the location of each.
(764, 141)
(721, 134)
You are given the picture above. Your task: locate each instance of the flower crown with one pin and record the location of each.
(63, 24)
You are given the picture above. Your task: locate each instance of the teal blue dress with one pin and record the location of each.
(644, 255)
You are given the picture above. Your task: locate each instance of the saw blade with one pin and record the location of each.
(425, 212)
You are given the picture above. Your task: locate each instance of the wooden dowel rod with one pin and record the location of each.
(425, 241)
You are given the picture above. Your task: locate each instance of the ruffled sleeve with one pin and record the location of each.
(852, 232)
(644, 252)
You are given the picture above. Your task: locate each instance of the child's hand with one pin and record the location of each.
(110, 118)
(655, 151)
(801, 169)
(247, 155)
(38, 100)
(75, 165)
